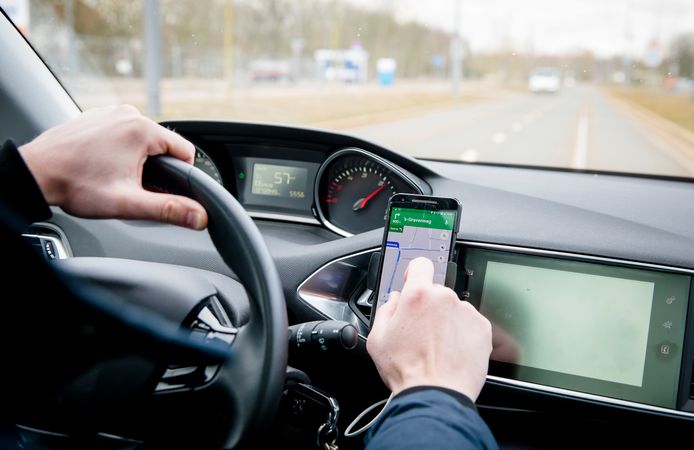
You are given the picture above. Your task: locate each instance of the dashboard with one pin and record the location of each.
(585, 277)
(346, 191)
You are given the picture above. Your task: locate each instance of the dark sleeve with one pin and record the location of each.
(19, 192)
(62, 335)
(430, 417)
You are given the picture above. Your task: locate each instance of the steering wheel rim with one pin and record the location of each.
(259, 353)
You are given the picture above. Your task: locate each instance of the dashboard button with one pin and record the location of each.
(666, 350)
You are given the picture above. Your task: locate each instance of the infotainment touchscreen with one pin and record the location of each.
(602, 329)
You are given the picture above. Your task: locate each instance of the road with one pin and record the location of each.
(580, 127)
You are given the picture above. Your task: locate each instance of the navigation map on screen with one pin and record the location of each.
(413, 233)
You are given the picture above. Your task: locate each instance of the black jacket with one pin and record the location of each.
(55, 327)
(21, 199)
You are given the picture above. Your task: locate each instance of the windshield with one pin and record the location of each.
(590, 84)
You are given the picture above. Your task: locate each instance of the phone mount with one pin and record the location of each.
(375, 268)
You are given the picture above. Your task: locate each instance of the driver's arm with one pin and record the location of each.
(19, 192)
(430, 417)
(91, 166)
(432, 351)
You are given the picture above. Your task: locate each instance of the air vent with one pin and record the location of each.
(363, 303)
(211, 323)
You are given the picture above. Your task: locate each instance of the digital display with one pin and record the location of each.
(551, 311)
(279, 181)
(274, 186)
(413, 233)
(597, 328)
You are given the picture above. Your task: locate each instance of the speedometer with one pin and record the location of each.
(204, 163)
(353, 188)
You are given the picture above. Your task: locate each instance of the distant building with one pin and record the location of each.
(348, 66)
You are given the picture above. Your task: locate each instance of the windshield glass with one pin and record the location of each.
(590, 84)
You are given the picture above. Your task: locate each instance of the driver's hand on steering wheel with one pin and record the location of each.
(426, 336)
(91, 166)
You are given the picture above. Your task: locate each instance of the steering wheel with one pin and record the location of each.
(128, 367)
(256, 370)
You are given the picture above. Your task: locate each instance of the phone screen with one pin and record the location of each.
(413, 233)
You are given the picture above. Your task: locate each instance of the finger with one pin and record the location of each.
(445, 299)
(444, 291)
(392, 303)
(420, 271)
(167, 208)
(175, 145)
(393, 297)
(387, 309)
(385, 313)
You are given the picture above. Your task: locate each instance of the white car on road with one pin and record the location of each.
(544, 79)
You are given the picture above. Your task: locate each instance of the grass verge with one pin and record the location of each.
(673, 107)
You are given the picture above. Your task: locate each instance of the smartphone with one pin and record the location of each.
(416, 225)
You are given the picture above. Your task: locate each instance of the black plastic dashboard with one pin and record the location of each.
(344, 189)
(628, 220)
(633, 218)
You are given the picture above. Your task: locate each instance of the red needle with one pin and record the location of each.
(370, 196)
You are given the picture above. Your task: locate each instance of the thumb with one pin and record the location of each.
(166, 208)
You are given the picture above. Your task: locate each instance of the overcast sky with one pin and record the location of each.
(606, 27)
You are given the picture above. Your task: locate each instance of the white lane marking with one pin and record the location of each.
(580, 155)
(529, 118)
(469, 155)
(517, 127)
(499, 138)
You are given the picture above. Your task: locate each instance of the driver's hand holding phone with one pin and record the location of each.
(423, 334)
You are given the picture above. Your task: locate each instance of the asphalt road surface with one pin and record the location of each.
(579, 127)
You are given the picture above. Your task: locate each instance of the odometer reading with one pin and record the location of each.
(279, 181)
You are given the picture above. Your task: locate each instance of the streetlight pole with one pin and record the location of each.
(152, 56)
(298, 41)
(73, 56)
(229, 41)
(456, 52)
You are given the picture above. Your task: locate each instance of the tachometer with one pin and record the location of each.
(204, 163)
(353, 190)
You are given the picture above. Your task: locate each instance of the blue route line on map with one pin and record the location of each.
(393, 244)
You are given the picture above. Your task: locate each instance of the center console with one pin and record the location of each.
(589, 328)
